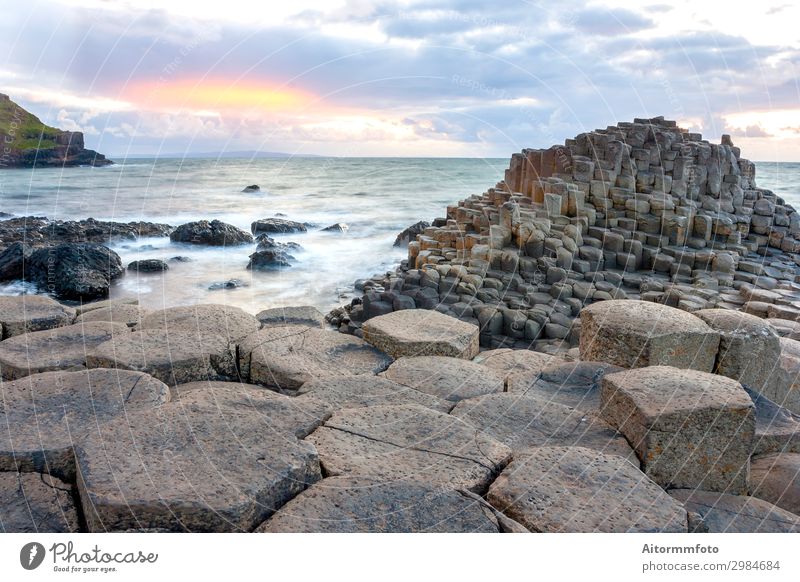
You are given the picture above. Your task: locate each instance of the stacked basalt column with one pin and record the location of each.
(641, 210)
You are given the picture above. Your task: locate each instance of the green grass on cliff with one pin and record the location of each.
(23, 129)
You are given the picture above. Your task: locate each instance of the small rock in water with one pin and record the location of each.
(280, 215)
(269, 259)
(411, 233)
(252, 188)
(229, 284)
(338, 227)
(277, 225)
(266, 243)
(214, 233)
(148, 266)
(180, 259)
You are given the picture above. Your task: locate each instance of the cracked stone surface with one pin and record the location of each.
(690, 429)
(525, 422)
(776, 478)
(288, 357)
(219, 459)
(420, 332)
(711, 512)
(574, 489)
(508, 362)
(450, 379)
(409, 443)
(777, 428)
(44, 416)
(359, 391)
(36, 503)
(634, 334)
(60, 348)
(26, 313)
(349, 504)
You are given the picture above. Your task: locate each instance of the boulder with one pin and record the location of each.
(350, 504)
(409, 234)
(277, 226)
(25, 313)
(749, 349)
(214, 233)
(711, 512)
(148, 266)
(215, 460)
(269, 260)
(409, 443)
(574, 489)
(60, 348)
(529, 421)
(508, 362)
(690, 429)
(287, 357)
(78, 271)
(252, 188)
(450, 379)
(45, 416)
(130, 315)
(13, 261)
(303, 315)
(36, 503)
(358, 391)
(634, 334)
(777, 428)
(774, 478)
(420, 332)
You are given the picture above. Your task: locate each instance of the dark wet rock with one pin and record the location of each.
(229, 284)
(148, 266)
(13, 261)
(252, 188)
(180, 259)
(411, 233)
(214, 233)
(38, 230)
(338, 227)
(269, 260)
(75, 270)
(277, 225)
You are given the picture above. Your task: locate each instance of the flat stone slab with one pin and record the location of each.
(303, 315)
(776, 478)
(288, 357)
(634, 334)
(36, 503)
(45, 415)
(574, 489)
(60, 348)
(573, 384)
(359, 391)
(508, 362)
(86, 307)
(749, 349)
(420, 332)
(690, 429)
(25, 313)
(130, 315)
(409, 443)
(450, 379)
(777, 428)
(785, 327)
(350, 504)
(525, 422)
(221, 460)
(711, 512)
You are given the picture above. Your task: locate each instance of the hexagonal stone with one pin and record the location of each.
(304, 315)
(634, 334)
(45, 415)
(359, 391)
(711, 512)
(573, 384)
(25, 313)
(777, 428)
(130, 315)
(508, 362)
(409, 443)
(788, 393)
(363, 504)
(574, 489)
(36, 503)
(221, 459)
(288, 357)
(420, 332)
(450, 379)
(785, 327)
(86, 307)
(749, 349)
(59, 348)
(690, 429)
(524, 422)
(776, 478)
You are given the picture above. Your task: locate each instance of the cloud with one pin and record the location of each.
(749, 131)
(605, 22)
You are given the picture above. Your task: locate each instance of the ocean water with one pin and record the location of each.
(375, 197)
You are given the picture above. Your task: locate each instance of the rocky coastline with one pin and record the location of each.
(607, 341)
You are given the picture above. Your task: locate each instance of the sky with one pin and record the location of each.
(469, 78)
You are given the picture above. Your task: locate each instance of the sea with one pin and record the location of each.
(375, 197)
